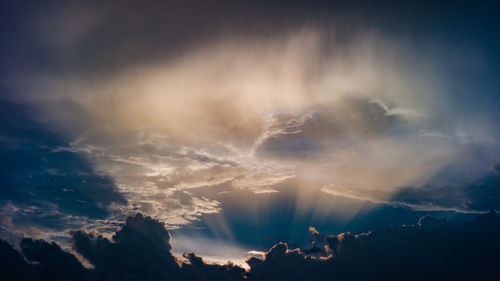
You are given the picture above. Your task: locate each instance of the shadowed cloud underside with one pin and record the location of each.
(140, 250)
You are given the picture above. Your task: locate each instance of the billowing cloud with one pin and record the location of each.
(418, 252)
(141, 251)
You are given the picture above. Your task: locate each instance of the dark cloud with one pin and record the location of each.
(197, 269)
(140, 249)
(95, 37)
(42, 181)
(12, 264)
(91, 36)
(482, 194)
(433, 249)
(39, 260)
(52, 263)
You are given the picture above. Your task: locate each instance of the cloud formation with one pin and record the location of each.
(141, 251)
(44, 185)
(359, 113)
(200, 112)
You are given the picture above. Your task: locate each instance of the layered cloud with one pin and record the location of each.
(352, 113)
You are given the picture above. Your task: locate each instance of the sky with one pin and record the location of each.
(241, 124)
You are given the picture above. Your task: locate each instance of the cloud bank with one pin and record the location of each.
(433, 249)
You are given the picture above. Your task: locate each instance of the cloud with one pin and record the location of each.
(141, 248)
(13, 264)
(141, 251)
(426, 251)
(52, 261)
(482, 194)
(325, 128)
(249, 105)
(171, 107)
(96, 39)
(467, 186)
(292, 106)
(41, 185)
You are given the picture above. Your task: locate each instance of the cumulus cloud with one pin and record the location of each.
(426, 251)
(141, 248)
(141, 251)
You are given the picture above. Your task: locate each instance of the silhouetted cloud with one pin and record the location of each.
(196, 269)
(141, 249)
(433, 249)
(52, 263)
(13, 266)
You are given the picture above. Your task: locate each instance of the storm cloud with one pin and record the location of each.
(433, 249)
